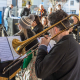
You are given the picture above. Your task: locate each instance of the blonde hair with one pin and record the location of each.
(25, 32)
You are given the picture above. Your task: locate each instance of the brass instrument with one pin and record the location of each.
(19, 46)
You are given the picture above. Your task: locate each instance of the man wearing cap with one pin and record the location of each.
(26, 11)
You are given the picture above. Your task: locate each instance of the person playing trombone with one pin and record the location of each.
(63, 60)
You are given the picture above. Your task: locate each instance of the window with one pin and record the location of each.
(72, 11)
(72, 3)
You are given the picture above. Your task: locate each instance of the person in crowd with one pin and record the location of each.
(63, 60)
(49, 10)
(25, 32)
(45, 23)
(26, 11)
(41, 11)
(37, 26)
(76, 26)
(7, 13)
(58, 7)
(74, 29)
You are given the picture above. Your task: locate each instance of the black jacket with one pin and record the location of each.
(47, 33)
(61, 63)
(30, 34)
(25, 12)
(38, 28)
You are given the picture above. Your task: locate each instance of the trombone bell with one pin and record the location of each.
(16, 45)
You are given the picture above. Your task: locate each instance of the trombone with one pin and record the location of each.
(19, 47)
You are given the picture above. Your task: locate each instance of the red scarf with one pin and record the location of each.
(41, 11)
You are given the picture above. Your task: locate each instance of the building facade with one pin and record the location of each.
(71, 7)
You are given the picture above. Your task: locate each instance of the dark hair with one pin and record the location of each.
(11, 4)
(56, 17)
(37, 20)
(59, 4)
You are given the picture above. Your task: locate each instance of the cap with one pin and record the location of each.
(26, 21)
(28, 3)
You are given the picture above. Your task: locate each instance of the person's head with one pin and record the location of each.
(44, 21)
(36, 21)
(28, 5)
(11, 6)
(25, 23)
(41, 7)
(59, 7)
(50, 10)
(74, 19)
(56, 17)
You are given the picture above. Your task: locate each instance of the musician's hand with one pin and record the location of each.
(45, 41)
(71, 29)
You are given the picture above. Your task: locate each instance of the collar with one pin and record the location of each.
(65, 37)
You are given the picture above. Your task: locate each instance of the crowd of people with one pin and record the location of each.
(26, 11)
(62, 61)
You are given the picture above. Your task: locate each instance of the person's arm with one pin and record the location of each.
(22, 12)
(10, 13)
(47, 64)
